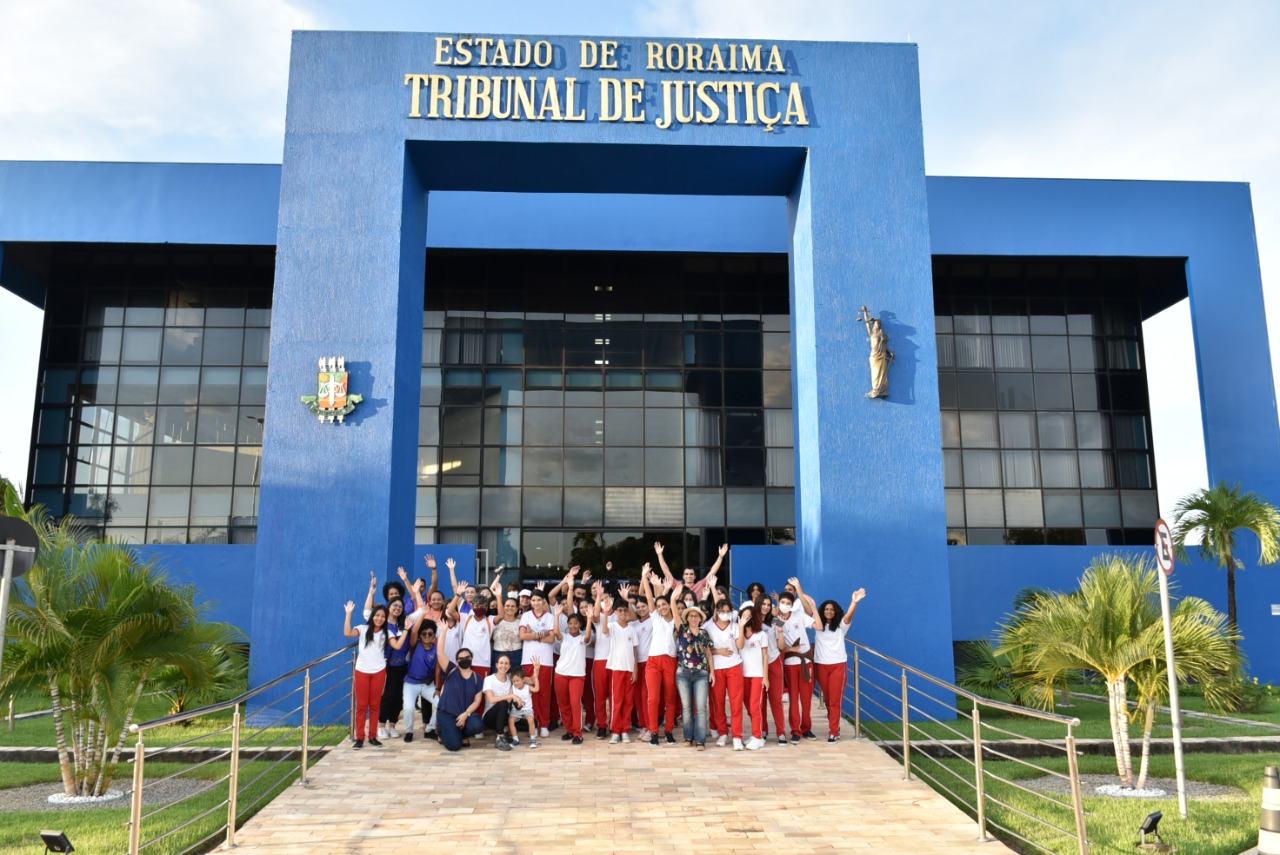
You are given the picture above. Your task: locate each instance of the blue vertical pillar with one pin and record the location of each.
(337, 499)
(870, 505)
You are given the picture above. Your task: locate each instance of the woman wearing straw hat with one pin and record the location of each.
(694, 676)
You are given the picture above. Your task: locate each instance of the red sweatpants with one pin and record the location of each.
(660, 680)
(569, 695)
(542, 697)
(640, 696)
(555, 699)
(368, 690)
(589, 694)
(483, 672)
(727, 680)
(603, 686)
(773, 697)
(801, 693)
(832, 679)
(753, 694)
(623, 690)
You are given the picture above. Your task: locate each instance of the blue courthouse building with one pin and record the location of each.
(597, 293)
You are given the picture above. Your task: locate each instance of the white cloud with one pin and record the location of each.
(145, 79)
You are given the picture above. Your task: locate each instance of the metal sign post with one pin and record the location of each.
(1164, 557)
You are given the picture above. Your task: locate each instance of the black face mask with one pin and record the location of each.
(464, 664)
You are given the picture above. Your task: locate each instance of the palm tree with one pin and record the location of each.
(1112, 625)
(1216, 514)
(92, 625)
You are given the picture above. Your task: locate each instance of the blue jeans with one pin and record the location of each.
(451, 735)
(693, 687)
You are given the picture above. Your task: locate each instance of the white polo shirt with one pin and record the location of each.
(753, 655)
(727, 637)
(542, 650)
(795, 633)
(476, 634)
(573, 656)
(662, 639)
(829, 647)
(644, 636)
(622, 647)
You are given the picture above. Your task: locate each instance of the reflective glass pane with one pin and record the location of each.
(214, 465)
(946, 346)
(1021, 469)
(978, 430)
(744, 467)
(780, 467)
(1057, 430)
(973, 351)
(501, 506)
(1101, 510)
(781, 507)
(250, 425)
(542, 506)
(169, 506)
(664, 507)
(1022, 509)
(622, 427)
(426, 506)
(1092, 430)
(503, 466)
(1015, 392)
(137, 385)
(223, 346)
(623, 506)
(704, 507)
(543, 466)
(1062, 508)
(1134, 470)
(583, 506)
(220, 386)
(254, 386)
(953, 473)
(1017, 430)
(1131, 431)
(950, 430)
(583, 426)
(216, 424)
(663, 467)
(955, 508)
(982, 468)
(984, 508)
(777, 350)
(248, 466)
(583, 466)
(1058, 469)
(702, 467)
(543, 426)
(975, 391)
(183, 346)
(623, 466)
(744, 508)
(1013, 352)
(459, 506)
(1053, 391)
(131, 465)
(1086, 389)
(662, 426)
(459, 466)
(141, 346)
(1084, 353)
(1139, 509)
(211, 506)
(171, 465)
(1096, 469)
(1049, 353)
(128, 506)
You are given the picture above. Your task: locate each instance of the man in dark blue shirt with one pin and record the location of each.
(460, 699)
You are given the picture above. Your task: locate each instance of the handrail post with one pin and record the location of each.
(235, 778)
(306, 722)
(906, 730)
(135, 810)
(980, 784)
(857, 696)
(11, 713)
(1077, 797)
(352, 717)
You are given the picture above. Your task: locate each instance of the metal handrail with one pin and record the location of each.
(303, 733)
(222, 706)
(899, 689)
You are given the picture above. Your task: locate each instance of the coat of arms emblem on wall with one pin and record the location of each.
(332, 401)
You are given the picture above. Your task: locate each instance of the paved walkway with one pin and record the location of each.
(600, 798)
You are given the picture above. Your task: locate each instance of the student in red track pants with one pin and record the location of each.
(772, 699)
(727, 661)
(571, 672)
(622, 665)
(797, 613)
(660, 670)
(754, 647)
(371, 670)
(831, 655)
(537, 631)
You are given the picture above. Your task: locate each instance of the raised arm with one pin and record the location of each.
(662, 562)
(533, 660)
(806, 601)
(399, 641)
(588, 615)
(373, 586)
(646, 588)
(715, 568)
(858, 597)
(555, 622)
(606, 611)
(453, 575)
(435, 576)
(496, 587)
(418, 603)
(346, 627)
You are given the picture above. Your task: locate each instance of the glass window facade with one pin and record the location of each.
(578, 406)
(152, 388)
(1046, 426)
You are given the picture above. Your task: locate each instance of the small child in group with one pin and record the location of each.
(523, 688)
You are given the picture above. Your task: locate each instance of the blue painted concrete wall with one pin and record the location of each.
(223, 577)
(355, 191)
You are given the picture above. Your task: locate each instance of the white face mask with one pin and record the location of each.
(725, 616)
(688, 604)
(785, 608)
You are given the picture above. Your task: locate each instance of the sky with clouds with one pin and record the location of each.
(1174, 89)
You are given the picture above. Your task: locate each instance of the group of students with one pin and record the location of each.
(587, 655)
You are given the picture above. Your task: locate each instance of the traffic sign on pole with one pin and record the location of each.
(1164, 547)
(1164, 557)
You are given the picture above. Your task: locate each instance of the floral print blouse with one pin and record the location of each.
(693, 650)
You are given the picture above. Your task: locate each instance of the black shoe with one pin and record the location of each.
(502, 744)
(431, 734)
(408, 737)
(833, 738)
(602, 733)
(566, 737)
(358, 744)
(373, 740)
(653, 740)
(671, 739)
(808, 734)
(577, 740)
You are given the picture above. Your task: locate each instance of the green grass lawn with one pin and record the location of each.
(1224, 827)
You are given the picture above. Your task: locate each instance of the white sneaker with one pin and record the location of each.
(737, 745)
(715, 734)
(723, 740)
(644, 735)
(382, 732)
(755, 744)
(391, 732)
(615, 739)
(626, 737)
(543, 733)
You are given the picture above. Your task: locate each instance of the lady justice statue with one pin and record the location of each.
(881, 355)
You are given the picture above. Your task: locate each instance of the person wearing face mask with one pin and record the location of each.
(797, 618)
(724, 632)
(458, 719)
(660, 671)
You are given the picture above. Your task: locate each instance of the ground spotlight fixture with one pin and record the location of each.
(56, 841)
(1149, 826)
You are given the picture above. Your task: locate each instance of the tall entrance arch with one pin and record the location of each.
(378, 123)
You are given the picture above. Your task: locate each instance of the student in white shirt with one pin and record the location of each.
(621, 664)
(727, 663)
(371, 669)
(601, 687)
(797, 613)
(522, 691)
(643, 625)
(772, 699)
(660, 670)
(754, 646)
(831, 655)
(571, 670)
(538, 632)
(496, 690)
